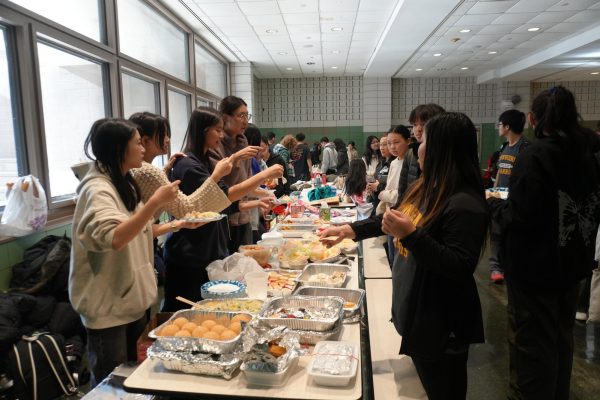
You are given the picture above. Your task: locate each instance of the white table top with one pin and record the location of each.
(394, 375)
(151, 377)
(375, 260)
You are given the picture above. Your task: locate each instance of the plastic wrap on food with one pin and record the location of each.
(191, 362)
(270, 350)
(334, 358)
(303, 313)
(207, 340)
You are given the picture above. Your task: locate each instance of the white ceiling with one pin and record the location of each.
(398, 38)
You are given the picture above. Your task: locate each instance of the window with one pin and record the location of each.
(139, 95)
(73, 97)
(202, 102)
(179, 115)
(83, 16)
(9, 165)
(146, 35)
(211, 73)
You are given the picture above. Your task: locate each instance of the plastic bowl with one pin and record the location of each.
(223, 289)
(260, 253)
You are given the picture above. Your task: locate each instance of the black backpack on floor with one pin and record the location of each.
(38, 367)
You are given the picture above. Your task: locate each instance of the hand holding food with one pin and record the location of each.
(397, 224)
(222, 168)
(166, 193)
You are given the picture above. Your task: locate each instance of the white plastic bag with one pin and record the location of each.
(234, 267)
(26, 209)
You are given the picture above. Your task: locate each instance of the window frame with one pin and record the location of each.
(25, 28)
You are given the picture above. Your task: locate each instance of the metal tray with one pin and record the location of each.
(221, 305)
(172, 343)
(314, 337)
(223, 365)
(335, 304)
(356, 296)
(314, 269)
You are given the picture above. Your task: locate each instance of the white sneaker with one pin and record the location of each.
(581, 316)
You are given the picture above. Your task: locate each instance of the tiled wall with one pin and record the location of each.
(587, 96)
(454, 94)
(377, 104)
(309, 102)
(12, 252)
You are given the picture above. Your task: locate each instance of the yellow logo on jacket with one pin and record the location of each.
(415, 216)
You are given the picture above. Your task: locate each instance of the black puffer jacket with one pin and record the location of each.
(410, 170)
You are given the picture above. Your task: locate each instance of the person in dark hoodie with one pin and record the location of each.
(342, 156)
(549, 222)
(440, 229)
(271, 158)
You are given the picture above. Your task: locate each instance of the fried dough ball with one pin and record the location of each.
(241, 317)
(209, 323)
(224, 320)
(183, 333)
(190, 326)
(236, 327)
(199, 332)
(169, 330)
(211, 335)
(228, 335)
(181, 321)
(218, 329)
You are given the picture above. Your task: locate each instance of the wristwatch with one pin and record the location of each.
(174, 226)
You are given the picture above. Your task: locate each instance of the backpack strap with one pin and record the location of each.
(70, 388)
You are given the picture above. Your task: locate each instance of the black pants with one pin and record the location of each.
(445, 379)
(110, 347)
(540, 340)
(240, 235)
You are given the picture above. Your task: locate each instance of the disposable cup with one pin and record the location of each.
(256, 285)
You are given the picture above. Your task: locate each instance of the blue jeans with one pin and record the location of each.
(110, 347)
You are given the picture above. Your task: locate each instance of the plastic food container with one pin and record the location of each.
(262, 378)
(260, 253)
(334, 363)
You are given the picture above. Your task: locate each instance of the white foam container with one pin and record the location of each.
(328, 379)
(273, 379)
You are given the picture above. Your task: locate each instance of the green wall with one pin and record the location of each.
(12, 252)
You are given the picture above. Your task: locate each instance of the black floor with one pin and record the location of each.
(488, 363)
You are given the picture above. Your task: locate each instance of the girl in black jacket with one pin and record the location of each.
(549, 222)
(440, 228)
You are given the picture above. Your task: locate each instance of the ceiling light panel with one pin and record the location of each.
(327, 27)
(298, 6)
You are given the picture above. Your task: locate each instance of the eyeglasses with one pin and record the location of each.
(244, 116)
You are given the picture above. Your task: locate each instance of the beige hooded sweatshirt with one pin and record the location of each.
(108, 287)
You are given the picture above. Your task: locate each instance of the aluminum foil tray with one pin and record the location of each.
(314, 337)
(223, 365)
(172, 343)
(331, 306)
(355, 296)
(314, 269)
(250, 306)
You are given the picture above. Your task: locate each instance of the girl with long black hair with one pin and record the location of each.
(549, 223)
(440, 229)
(372, 156)
(111, 281)
(188, 252)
